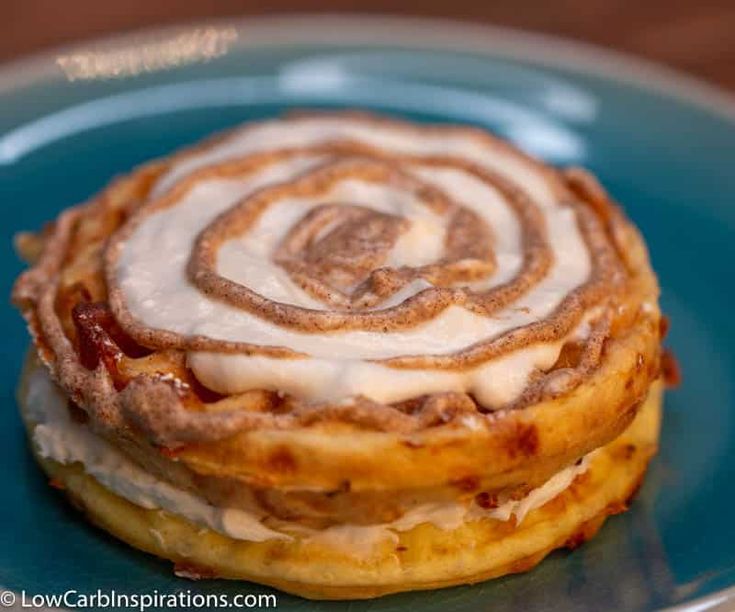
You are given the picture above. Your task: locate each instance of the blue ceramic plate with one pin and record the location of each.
(662, 144)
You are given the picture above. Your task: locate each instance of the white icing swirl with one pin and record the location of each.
(151, 269)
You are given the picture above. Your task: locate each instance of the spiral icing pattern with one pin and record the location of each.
(340, 258)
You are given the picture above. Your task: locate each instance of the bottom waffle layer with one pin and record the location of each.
(425, 557)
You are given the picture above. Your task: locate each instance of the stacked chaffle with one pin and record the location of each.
(344, 356)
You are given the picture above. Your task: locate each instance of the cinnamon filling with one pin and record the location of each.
(101, 340)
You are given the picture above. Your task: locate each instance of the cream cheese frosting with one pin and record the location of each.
(57, 437)
(152, 269)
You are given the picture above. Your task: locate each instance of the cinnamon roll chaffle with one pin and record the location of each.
(344, 355)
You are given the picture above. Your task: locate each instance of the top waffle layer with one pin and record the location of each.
(340, 267)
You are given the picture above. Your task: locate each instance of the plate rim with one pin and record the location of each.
(435, 33)
(420, 33)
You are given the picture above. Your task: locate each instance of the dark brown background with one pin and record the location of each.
(695, 36)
